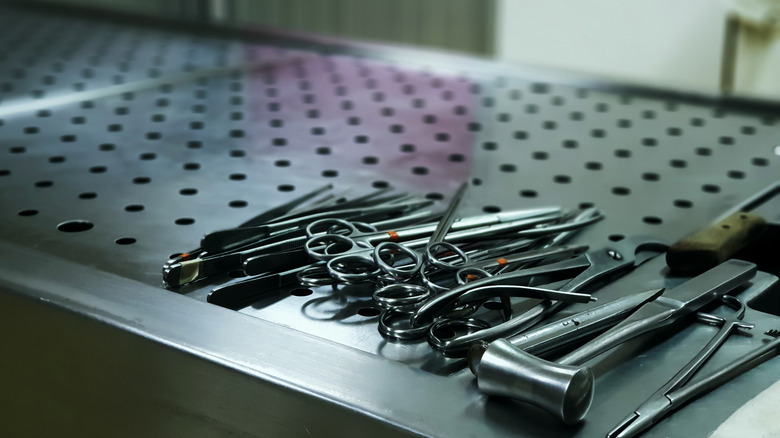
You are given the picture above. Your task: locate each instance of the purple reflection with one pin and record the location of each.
(361, 121)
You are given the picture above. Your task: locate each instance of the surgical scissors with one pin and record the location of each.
(344, 238)
(278, 253)
(482, 268)
(224, 240)
(406, 297)
(350, 256)
(354, 263)
(436, 241)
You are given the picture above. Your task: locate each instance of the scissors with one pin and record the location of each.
(278, 253)
(663, 402)
(506, 258)
(434, 245)
(407, 297)
(484, 267)
(350, 254)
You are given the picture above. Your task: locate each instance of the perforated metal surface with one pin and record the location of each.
(122, 145)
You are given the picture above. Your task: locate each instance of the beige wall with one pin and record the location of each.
(663, 42)
(758, 62)
(668, 43)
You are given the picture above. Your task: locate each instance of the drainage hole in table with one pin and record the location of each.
(75, 226)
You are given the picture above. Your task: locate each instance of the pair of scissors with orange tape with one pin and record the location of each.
(354, 256)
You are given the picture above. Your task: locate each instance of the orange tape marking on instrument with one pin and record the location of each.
(502, 262)
(393, 236)
(471, 277)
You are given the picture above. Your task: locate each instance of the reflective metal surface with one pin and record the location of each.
(121, 144)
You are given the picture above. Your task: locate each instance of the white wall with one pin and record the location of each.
(758, 62)
(672, 43)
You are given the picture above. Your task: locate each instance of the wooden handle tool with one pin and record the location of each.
(715, 244)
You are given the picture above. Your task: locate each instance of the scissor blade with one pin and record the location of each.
(624, 427)
(449, 216)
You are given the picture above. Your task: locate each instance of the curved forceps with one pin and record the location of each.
(392, 317)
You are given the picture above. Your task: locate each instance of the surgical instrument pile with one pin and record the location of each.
(386, 241)
(280, 230)
(481, 286)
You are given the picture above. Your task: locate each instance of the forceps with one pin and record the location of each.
(662, 402)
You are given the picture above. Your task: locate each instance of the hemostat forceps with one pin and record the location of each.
(662, 402)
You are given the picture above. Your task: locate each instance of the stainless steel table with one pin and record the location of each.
(122, 143)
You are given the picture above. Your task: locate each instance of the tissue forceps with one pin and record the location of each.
(660, 403)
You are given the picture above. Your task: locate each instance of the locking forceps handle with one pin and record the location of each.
(728, 327)
(726, 373)
(673, 394)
